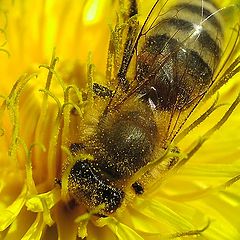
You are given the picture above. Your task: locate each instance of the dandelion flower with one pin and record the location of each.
(51, 53)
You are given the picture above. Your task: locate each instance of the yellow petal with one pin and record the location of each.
(121, 230)
(9, 214)
(36, 230)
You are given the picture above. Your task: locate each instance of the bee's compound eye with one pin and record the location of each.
(86, 185)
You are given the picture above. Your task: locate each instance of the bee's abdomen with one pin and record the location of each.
(198, 27)
(177, 62)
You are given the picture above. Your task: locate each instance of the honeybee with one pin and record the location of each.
(167, 68)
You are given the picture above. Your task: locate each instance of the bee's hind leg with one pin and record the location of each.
(102, 91)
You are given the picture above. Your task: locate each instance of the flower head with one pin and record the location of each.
(51, 54)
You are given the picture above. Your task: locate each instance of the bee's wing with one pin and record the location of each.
(223, 70)
(126, 82)
(173, 115)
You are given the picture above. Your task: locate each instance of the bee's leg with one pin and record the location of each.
(76, 147)
(58, 182)
(138, 188)
(128, 47)
(102, 91)
(133, 8)
(173, 160)
(229, 73)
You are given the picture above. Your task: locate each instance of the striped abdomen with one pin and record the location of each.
(176, 63)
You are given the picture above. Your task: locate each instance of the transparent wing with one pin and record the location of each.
(177, 57)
